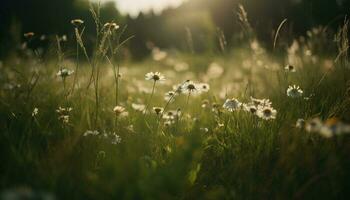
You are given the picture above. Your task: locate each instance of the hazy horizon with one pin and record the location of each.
(134, 7)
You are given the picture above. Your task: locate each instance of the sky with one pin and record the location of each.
(133, 7)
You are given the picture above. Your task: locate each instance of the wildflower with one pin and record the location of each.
(172, 115)
(115, 139)
(170, 96)
(62, 110)
(138, 107)
(158, 110)
(204, 87)
(120, 111)
(294, 91)
(29, 35)
(266, 113)
(232, 104)
(178, 88)
(64, 114)
(300, 123)
(261, 102)
(89, 132)
(205, 103)
(313, 125)
(290, 68)
(155, 76)
(216, 108)
(169, 123)
(77, 22)
(111, 26)
(190, 87)
(35, 112)
(64, 72)
(63, 38)
(64, 119)
(251, 108)
(205, 130)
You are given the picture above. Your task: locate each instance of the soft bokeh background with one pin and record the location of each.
(203, 20)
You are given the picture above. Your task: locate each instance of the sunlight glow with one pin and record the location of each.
(134, 7)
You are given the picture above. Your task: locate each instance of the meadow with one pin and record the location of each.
(241, 123)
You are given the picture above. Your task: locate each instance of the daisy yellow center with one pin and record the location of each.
(191, 87)
(267, 112)
(156, 77)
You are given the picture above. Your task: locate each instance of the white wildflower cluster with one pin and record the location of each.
(328, 129)
(189, 87)
(259, 107)
(111, 137)
(171, 116)
(111, 26)
(64, 114)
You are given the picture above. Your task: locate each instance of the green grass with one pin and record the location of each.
(195, 158)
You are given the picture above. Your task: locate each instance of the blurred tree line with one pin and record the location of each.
(196, 26)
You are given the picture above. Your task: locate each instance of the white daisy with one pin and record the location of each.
(261, 102)
(190, 87)
(92, 133)
(170, 96)
(138, 107)
(115, 139)
(158, 110)
(313, 125)
(232, 104)
(64, 72)
(251, 108)
(204, 87)
(155, 76)
(300, 123)
(266, 113)
(294, 91)
(120, 111)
